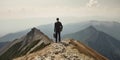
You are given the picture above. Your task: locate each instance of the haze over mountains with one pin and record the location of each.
(111, 28)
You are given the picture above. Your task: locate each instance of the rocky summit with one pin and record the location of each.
(68, 49)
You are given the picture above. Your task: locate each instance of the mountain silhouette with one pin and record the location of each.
(99, 41)
(68, 49)
(112, 28)
(32, 41)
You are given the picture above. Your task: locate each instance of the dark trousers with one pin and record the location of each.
(58, 37)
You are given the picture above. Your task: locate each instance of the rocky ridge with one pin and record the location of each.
(66, 50)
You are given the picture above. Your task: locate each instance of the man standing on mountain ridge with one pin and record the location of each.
(57, 29)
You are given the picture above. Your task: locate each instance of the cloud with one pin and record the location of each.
(93, 3)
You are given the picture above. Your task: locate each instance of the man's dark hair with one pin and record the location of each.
(57, 18)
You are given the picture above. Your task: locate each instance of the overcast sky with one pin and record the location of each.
(16, 15)
(52, 8)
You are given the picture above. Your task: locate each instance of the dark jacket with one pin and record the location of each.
(58, 27)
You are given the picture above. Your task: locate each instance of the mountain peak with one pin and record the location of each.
(34, 31)
(35, 34)
(66, 50)
(91, 28)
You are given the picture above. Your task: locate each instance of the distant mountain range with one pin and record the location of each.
(99, 41)
(111, 28)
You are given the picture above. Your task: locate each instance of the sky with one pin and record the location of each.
(17, 15)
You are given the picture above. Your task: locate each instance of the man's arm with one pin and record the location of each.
(54, 28)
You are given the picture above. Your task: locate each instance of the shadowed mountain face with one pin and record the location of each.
(66, 50)
(99, 41)
(31, 42)
(2, 44)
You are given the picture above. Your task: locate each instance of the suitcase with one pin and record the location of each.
(54, 35)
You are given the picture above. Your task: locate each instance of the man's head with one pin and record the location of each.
(57, 19)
